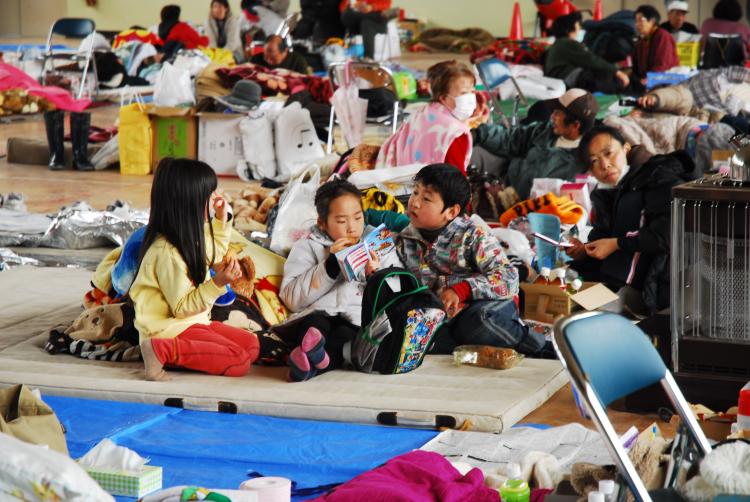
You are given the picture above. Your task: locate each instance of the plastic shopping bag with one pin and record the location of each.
(134, 139)
(257, 145)
(296, 211)
(297, 145)
(173, 87)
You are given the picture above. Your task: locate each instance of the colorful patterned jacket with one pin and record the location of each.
(463, 252)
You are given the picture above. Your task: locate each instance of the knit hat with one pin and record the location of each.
(579, 104)
(677, 5)
(563, 207)
(245, 96)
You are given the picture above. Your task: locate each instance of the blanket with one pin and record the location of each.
(277, 81)
(658, 136)
(444, 39)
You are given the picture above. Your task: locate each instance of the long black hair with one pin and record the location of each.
(180, 197)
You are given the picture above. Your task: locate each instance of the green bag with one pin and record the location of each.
(26, 417)
(406, 85)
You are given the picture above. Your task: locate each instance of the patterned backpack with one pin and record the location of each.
(400, 318)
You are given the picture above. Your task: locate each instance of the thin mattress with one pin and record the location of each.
(34, 300)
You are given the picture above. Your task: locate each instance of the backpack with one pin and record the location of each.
(398, 327)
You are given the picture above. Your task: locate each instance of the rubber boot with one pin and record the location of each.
(79, 134)
(54, 123)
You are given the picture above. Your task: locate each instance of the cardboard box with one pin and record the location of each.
(720, 158)
(220, 141)
(409, 30)
(127, 484)
(545, 302)
(175, 133)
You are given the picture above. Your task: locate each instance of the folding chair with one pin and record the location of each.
(376, 74)
(493, 73)
(71, 27)
(607, 357)
(723, 50)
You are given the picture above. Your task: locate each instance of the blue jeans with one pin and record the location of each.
(489, 322)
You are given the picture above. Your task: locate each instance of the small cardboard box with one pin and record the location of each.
(175, 133)
(545, 302)
(720, 158)
(220, 141)
(128, 484)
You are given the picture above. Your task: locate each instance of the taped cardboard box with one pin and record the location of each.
(220, 141)
(544, 302)
(175, 133)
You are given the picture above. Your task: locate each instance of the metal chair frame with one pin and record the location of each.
(494, 102)
(388, 82)
(59, 27)
(597, 409)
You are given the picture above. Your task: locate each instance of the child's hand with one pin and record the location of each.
(227, 270)
(342, 243)
(451, 301)
(220, 207)
(373, 265)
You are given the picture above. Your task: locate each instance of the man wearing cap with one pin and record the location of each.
(675, 22)
(540, 149)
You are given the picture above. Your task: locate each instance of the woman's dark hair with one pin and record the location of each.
(441, 75)
(583, 147)
(728, 10)
(180, 196)
(448, 181)
(649, 12)
(170, 13)
(224, 3)
(565, 25)
(330, 191)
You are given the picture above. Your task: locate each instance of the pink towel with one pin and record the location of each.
(418, 476)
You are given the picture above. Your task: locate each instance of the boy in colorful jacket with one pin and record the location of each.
(465, 265)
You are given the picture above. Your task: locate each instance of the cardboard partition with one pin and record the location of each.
(545, 302)
(220, 141)
(175, 133)
(720, 158)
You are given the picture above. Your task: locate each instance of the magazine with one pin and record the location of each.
(353, 259)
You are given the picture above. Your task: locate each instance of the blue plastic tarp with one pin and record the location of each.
(218, 450)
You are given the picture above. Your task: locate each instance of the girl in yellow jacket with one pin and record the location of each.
(173, 292)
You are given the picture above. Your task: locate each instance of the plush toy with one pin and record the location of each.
(245, 285)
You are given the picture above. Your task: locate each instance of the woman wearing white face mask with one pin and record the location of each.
(628, 248)
(570, 61)
(439, 132)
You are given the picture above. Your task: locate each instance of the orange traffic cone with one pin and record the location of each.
(516, 24)
(597, 10)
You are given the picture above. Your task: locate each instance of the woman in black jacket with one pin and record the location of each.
(628, 248)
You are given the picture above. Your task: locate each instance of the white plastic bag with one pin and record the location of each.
(296, 211)
(297, 144)
(518, 244)
(257, 145)
(395, 180)
(388, 45)
(173, 87)
(543, 186)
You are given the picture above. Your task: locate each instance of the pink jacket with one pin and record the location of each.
(417, 476)
(424, 138)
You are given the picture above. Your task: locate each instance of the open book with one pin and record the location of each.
(353, 259)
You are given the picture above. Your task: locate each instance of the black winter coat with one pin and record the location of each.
(638, 213)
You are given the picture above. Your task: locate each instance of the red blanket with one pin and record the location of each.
(277, 81)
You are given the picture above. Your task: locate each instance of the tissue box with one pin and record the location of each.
(128, 484)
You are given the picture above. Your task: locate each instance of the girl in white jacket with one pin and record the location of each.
(328, 307)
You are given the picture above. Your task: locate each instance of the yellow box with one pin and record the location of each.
(689, 53)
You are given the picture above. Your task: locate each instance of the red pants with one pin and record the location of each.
(216, 349)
